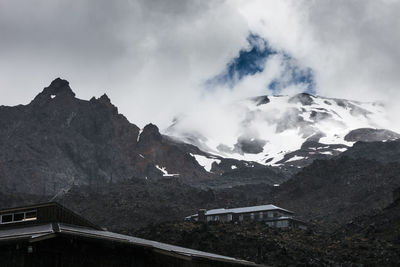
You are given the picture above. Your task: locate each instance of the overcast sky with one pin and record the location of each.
(157, 59)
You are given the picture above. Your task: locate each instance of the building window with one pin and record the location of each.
(30, 215)
(260, 215)
(252, 216)
(241, 217)
(216, 218)
(19, 217)
(282, 224)
(229, 217)
(7, 218)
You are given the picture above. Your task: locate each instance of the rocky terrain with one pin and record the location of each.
(366, 241)
(59, 141)
(328, 193)
(90, 158)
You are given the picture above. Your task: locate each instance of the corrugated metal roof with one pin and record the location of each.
(144, 242)
(245, 210)
(26, 232)
(32, 232)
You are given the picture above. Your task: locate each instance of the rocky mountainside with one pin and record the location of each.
(290, 131)
(59, 141)
(332, 192)
(130, 205)
(328, 193)
(367, 241)
(90, 158)
(87, 156)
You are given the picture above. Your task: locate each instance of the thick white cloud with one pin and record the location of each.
(153, 56)
(352, 46)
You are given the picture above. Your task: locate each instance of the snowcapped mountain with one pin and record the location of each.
(58, 141)
(285, 130)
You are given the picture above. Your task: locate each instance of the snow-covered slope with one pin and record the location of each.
(264, 129)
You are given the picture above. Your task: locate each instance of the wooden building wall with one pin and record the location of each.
(48, 213)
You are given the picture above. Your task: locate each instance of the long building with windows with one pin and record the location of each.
(270, 214)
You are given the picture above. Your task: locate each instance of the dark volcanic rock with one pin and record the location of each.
(149, 134)
(311, 150)
(234, 172)
(250, 146)
(364, 242)
(261, 100)
(303, 98)
(58, 141)
(135, 203)
(371, 135)
(334, 191)
(368, 240)
(380, 151)
(57, 88)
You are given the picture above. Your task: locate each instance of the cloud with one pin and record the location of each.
(154, 57)
(351, 46)
(150, 57)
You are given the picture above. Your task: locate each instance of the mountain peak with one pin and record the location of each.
(58, 88)
(105, 99)
(150, 133)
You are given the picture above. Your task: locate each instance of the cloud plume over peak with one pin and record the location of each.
(158, 59)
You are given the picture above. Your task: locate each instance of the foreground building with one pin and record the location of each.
(270, 214)
(50, 235)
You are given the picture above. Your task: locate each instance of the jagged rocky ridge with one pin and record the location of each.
(58, 141)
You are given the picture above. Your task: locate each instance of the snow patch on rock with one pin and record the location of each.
(165, 172)
(205, 161)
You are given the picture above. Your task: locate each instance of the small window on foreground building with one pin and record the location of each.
(18, 217)
(7, 218)
(30, 215)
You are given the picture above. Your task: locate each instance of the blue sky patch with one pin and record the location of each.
(293, 75)
(249, 62)
(252, 60)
